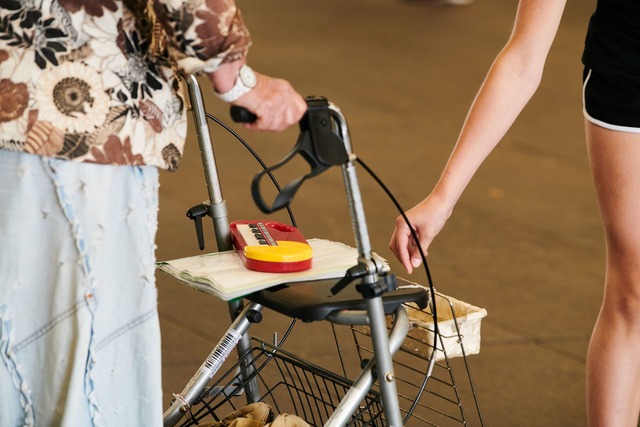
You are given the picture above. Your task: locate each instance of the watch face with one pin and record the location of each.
(247, 76)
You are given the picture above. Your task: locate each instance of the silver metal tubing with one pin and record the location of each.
(194, 388)
(354, 198)
(358, 221)
(356, 394)
(217, 206)
(204, 139)
(375, 308)
(349, 317)
(384, 362)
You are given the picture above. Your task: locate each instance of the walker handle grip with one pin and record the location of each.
(242, 115)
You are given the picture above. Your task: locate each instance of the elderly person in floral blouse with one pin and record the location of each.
(90, 109)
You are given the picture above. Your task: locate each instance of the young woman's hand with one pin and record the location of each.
(427, 219)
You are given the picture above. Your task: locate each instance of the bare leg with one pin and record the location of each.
(613, 359)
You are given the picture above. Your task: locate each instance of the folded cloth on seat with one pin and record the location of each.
(224, 275)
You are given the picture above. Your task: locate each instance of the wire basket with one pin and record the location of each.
(289, 384)
(435, 386)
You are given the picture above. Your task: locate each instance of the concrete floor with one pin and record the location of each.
(525, 241)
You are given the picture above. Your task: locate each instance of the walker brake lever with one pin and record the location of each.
(318, 144)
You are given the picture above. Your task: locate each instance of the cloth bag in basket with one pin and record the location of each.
(257, 415)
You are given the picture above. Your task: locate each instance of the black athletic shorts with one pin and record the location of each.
(611, 102)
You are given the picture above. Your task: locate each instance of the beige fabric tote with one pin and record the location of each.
(257, 415)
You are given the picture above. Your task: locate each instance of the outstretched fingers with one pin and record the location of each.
(404, 246)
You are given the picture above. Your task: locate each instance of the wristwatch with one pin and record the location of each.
(245, 81)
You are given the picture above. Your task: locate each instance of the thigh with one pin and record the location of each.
(614, 157)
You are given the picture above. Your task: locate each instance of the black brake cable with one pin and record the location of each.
(429, 282)
(275, 183)
(398, 207)
(255, 156)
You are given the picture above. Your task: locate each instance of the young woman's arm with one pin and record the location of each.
(511, 82)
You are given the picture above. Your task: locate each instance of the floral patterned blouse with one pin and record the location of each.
(96, 80)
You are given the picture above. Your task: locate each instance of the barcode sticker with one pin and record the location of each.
(220, 353)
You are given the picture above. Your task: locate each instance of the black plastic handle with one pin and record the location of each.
(285, 196)
(318, 144)
(242, 115)
(196, 213)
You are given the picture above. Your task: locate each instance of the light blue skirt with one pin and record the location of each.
(79, 331)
